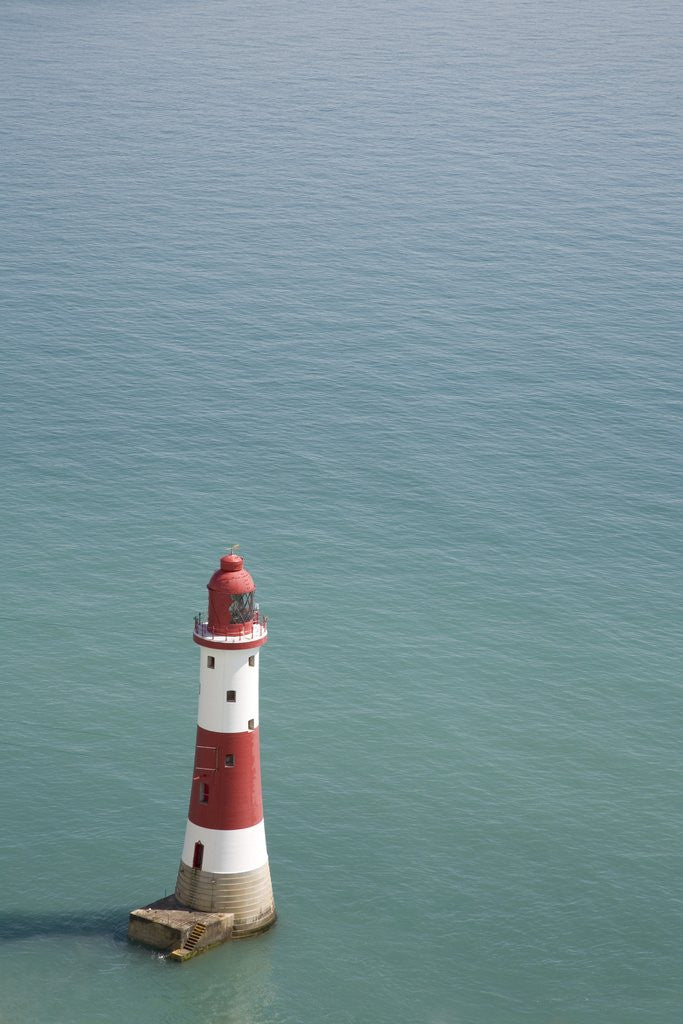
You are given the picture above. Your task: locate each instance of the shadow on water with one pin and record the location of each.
(113, 923)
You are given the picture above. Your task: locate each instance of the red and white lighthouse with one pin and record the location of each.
(224, 864)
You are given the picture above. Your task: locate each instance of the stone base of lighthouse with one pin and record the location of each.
(206, 910)
(247, 895)
(178, 931)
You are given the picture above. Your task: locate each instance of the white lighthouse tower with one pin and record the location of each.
(223, 888)
(224, 864)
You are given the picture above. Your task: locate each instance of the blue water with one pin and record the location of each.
(388, 293)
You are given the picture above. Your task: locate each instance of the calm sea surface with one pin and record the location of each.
(388, 293)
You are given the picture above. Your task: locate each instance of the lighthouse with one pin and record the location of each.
(223, 889)
(224, 864)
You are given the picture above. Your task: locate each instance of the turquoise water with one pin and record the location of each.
(388, 293)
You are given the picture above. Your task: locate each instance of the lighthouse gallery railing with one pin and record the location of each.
(253, 630)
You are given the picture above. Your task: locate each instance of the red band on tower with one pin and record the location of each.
(226, 784)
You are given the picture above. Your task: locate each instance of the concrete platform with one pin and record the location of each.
(177, 930)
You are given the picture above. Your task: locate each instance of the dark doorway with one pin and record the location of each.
(198, 855)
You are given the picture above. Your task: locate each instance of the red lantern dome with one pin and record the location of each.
(231, 598)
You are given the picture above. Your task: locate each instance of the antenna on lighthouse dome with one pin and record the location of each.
(233, 548)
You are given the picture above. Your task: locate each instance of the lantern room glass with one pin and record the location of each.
(241, 608)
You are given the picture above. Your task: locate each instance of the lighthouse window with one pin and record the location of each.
(250, 724)
(231, 696)
(229, 760)
(203, 793)
(211, 661)
(241, 607)
(252, 660)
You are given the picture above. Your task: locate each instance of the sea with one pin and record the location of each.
(389, 294)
